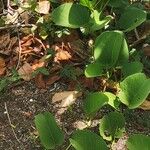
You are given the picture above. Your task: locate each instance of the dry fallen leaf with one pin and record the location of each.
(38, 64)
(43, 7)
(62, 55)
(120, 144)
(25, 72)
(65, 99)
(146, 49)
(2, 66)
(84, 124)
(52, 79)
(39, 81)
(145, 105)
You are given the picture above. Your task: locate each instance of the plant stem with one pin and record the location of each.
(68, 147)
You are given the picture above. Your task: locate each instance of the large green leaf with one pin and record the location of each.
(131, 18)
(134, 90)
(87, 140)
(138, 142)
(112, 126)
(93, 70)
(71, 15)
(109, 46)
(49, 132)
(132, 68)
(93, 102)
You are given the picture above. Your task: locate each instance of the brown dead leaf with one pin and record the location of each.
(25, 72)
(52, 80)
(2, 66)
(65, 99)
(120, 144)
(39, 81)
(38, 64)
(84, 124)
(27, 43)
(43, 7)
(27, 114)
(88, 82)
(146, 49)
(145, 105)
(62, 55)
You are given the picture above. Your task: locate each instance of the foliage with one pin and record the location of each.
(86, 140)
(110, 54)
(112, 126)
(108, 22)
(134, 90)
(50, 134)
(93, 102)
(138, 141)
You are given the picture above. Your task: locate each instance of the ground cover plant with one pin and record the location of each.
(99, 49)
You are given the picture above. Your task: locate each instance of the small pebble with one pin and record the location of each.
(31, 100)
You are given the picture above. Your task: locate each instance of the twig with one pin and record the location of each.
(136, 34)
(18, 25)
(20, 49)
(137, 42)
(11, 122)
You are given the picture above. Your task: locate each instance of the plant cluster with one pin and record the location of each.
(111, 59)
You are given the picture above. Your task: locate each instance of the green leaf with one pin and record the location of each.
(71, 15)
(109, 46)
(86, 3)
(131, 18)
(49, 132)
(87, 140)
(134, 90)
(93, 102)
(112, 126)
(93, 70)
(97, 23)
(116, 3)
(112, 100)
(138, 142)
(132, 68)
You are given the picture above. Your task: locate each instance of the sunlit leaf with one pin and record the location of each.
(87, 140)
(93, 102)
(71, 15)
(49, 132)
(112, 126)
(131, 18)
(134, 90)
(138, 142)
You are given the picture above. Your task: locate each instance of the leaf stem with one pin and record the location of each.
(68, 147)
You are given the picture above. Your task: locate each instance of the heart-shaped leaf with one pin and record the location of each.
(93, 102)
(138, 142)
(93, 70)
(49, 132)
(71, 15)
(131, 18)
(134, 90)
(112, 126)
(132, 68)
(87, 140)
(107, 51)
